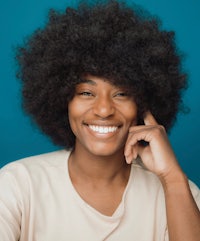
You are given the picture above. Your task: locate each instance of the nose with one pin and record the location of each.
(104, 107)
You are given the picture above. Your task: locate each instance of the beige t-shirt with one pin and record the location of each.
(39, 203)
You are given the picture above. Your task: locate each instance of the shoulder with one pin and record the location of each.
(35, 164)
(149, 182)
(20, 178)
(51, 158)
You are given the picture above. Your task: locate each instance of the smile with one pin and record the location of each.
(103, 129)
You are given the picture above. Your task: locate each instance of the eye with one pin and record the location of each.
(121, 94)
(85, 93)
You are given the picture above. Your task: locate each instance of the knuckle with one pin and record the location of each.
(159, 130)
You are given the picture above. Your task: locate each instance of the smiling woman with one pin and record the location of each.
(100, 115)
(104, 82)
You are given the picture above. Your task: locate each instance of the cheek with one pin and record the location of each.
(75, 109)
(131, 113)
(75, 113)
(72, 114)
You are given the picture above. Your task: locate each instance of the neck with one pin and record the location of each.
(99, 180)
(101, 168)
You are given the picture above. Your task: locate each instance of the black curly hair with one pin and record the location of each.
(107, 39)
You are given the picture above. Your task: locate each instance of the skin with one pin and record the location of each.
(98, 103)
(183, 217)
(99, 164)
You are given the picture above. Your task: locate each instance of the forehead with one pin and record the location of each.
(92, 79)
(98, 80)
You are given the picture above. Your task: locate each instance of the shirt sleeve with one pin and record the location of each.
(10, 205)
(195, 192)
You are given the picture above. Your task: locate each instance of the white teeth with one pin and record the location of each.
(103, 129)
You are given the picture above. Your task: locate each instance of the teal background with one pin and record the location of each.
(19, 138)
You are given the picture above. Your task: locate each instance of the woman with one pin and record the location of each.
(104, 82)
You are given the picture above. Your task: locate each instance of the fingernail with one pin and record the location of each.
(128, 159)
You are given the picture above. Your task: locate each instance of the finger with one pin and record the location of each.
(136, 139)
(132, 155)
(131, 150)
(136, 133)
(136, 129)
(149, 119)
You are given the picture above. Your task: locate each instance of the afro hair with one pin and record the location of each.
(107, 39)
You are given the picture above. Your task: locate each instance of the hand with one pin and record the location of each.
(157, 155)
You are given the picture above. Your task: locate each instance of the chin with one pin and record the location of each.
(105, 150)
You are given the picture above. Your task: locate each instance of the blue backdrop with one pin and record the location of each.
(19, 138)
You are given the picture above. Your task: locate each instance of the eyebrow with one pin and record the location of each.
(88, 81)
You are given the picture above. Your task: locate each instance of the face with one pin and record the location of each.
(100, 115)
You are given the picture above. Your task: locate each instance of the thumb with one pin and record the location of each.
(149, 119)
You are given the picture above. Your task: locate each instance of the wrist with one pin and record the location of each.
(174, 179)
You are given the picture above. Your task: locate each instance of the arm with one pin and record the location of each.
(183, 216)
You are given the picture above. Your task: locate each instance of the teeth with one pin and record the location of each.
(103, 129)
